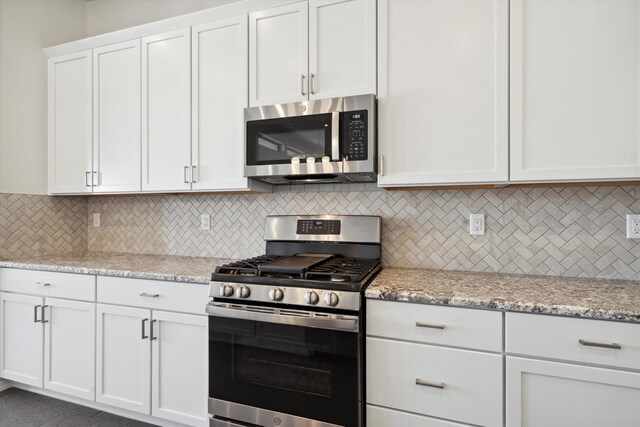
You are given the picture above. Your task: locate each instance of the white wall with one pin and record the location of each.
(104, 16)
(26, 27)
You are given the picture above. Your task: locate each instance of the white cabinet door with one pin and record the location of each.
(575, 84)
(180, 367)
(342, 48)
(116, 117)
(220, 94)
(123, 374)
(443, 100)
(541, 393)
(21, 338)
(69, 347)
(166, 111)
(278, 52)
(70, 123)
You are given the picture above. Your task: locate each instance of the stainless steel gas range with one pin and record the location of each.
(286, 339)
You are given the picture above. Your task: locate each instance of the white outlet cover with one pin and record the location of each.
(476, 224)
(633, 226)
(205, 222)
(96, 220)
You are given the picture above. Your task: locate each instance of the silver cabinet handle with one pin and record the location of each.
(144, 294)
(302, 84)
(429, 384)
(43, 284)
(186, 169)
(42, 320)
(193, 174)
(151, 332)
(35, 313)
(429, 325)
(311, 83)
(143, 329)
(95, 179)
(86, 179)
(614, 345)
(381, 165)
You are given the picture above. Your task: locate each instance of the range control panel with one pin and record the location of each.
(355, 135)
(318, 226)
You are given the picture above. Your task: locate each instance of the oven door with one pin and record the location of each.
(272, 367)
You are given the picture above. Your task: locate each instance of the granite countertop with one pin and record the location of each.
(578, 297)
(157, 267)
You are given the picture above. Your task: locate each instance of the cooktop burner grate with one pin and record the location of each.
(246, 267)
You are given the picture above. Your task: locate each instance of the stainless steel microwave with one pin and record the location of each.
(320, 141)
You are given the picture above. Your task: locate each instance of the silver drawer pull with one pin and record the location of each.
(428, 384)
(43, 284)
(614, 345)
(429, 325)
(144, 294)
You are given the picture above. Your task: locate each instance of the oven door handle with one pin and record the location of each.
(346, 323)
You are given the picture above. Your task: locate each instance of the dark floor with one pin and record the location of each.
(19, 408)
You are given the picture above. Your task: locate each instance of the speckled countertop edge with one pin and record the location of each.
(562, 296)
(136, 266)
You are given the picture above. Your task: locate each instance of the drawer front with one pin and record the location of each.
(573, 339)
(383, 417)
(153, 294)
(466, 386)
(458, 327)
(49, 284)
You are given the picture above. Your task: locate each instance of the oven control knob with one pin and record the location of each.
(311, 297)
(226, 291)
(311, 159)
(326, 159)
(331, 299)
(244, 291)
(276, 294)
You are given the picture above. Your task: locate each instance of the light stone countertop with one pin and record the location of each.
(566, 296)
(156, 267)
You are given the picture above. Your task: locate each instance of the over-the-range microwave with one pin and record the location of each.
(319, 141)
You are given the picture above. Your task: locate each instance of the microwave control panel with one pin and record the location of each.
(354, 135)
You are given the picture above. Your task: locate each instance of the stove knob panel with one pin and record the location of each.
(331, 299)
(276, 294)
(226, 291)
(311, 297)
(243, 291)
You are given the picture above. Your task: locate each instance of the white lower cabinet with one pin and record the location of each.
(425, 365)
(153, 362)
(544, 393)
(123, 375)
(48, 342)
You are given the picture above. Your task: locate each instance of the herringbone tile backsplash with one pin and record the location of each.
(41, 225)
(570, 231)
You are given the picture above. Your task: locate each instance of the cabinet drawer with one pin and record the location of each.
(471, 382)
(560, 338)
(458, 327)
(383, 417)
(153, 294)
(48, 284)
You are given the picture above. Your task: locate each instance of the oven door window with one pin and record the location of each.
(307, 372)
(277, 141)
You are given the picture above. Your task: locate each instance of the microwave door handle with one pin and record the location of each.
(335, 136)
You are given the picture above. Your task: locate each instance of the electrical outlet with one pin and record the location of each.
(96, 220)
(476, 224)
(633, 226)
(205, 222)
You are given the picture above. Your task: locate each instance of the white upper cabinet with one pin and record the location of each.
(312, 50)
(575, 73)
(278, 48)
(70, 89)
(220, 94)
(116, 117)
(342, 48)
(166, 111)
(443, 95)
